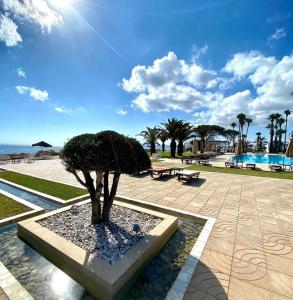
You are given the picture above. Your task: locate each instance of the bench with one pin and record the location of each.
(204, 162)
(230, 164)
(250, 166)
(187, 175)
(276, 168)
(160, 171)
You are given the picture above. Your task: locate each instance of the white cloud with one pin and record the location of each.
(36, 94)
(121, 111)
(8, 32)
(197, 52)
(36, 11)
(277, 35)
(169, 84)
(172, 84)
(21, 73)
(59, 109)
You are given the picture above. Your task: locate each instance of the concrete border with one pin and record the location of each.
(184, 277)
(11, 287)
(51, 198)
(103, 280)
(35, 210)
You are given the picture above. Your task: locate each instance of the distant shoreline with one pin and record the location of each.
(15, 149)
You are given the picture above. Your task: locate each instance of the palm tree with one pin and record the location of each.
(171, 126)
(183, 132)
(163, 136)
(287, 113)
(241, 121)
(280, 121)
(233, 125)
(258, 137)
(150, 135)
(248, 121)
(277, 116)
(270, 126)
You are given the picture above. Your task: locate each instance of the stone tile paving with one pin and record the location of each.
(249, 254)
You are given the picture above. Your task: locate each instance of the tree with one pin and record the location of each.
(102, 153)
(241, 121)
(248, 122)
(233, 125)
(171, 126)
(151, 135)
(276, 128)
(280, 122)
(287, 113)
(163, 136)
(183, 132)
(270, 126)
(260, 142)
(205, 132)
(231, 135)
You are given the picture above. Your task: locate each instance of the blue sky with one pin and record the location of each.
(85, 66)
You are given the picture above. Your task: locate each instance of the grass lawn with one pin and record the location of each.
(59, 190)
(281, 175)
(10, 207)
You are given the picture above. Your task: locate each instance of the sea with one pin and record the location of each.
(10, 149)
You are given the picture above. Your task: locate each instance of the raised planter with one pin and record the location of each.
(103, 280)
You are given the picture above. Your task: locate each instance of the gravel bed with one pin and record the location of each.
(109, 240)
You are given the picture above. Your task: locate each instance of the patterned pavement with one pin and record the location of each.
(249, 254)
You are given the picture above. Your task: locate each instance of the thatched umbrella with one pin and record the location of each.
(239, 147)
(289, 151)
(194, 146)
(42, 144)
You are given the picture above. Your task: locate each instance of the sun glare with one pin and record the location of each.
(61, 3)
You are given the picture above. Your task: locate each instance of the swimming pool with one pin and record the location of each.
(274, 159)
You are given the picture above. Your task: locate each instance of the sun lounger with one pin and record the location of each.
(276, 168)
(204, 162)
(230, 164)
(188, 161)
(187, 175)
(250, 166)
(160, 171)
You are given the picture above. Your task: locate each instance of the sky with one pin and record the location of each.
(77, 66)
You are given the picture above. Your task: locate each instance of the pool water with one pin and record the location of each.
(43, 280)
(274, 159)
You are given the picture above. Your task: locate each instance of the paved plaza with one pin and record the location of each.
(249, 253)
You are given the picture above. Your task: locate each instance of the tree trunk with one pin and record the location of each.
(109, 197)
(163, 146)
(180, 148)
(202, 145)
(285, 138)
(173, 148)
(153, 148)
(271, 150)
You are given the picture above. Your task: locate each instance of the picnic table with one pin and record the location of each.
(160, 171)
(187, 175)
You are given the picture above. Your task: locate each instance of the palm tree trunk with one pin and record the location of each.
(285, 138)
(163, 146)
(180, 148)
(173, 148)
